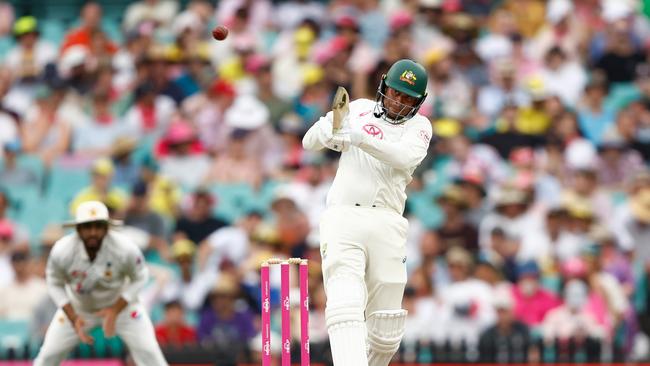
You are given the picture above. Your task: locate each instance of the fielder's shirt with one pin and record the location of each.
(119, 270)
(378, 171)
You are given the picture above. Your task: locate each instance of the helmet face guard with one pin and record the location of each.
(406, 111)
(407, 77)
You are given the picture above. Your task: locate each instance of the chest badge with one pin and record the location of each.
(108, 273)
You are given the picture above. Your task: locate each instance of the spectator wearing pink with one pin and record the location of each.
(19, 235)
(6, 244)
(235, 165)
(595, 304)
(607, 298)
(532, 302)
(182, 157)
(572, 318)
(207, 110)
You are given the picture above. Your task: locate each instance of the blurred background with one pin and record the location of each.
(529, 220)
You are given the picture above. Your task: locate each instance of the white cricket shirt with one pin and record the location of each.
(118, 270)
(378, 171)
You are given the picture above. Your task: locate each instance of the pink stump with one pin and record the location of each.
(304, 314)
(266, 315)
(286, 314)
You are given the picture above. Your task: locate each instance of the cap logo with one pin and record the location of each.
(409, 77)
(93, 212)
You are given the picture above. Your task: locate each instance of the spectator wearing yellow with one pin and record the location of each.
(165, 195)
(28, 58)
(183, 252)
(101, 189)
(533, 120)
(190, 286)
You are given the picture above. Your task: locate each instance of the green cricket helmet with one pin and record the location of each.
(405, 76)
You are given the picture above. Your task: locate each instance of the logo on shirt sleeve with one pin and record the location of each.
(426, 137)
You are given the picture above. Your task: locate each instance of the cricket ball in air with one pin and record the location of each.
(220, 33)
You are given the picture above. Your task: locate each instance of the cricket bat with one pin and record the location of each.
(340, 108)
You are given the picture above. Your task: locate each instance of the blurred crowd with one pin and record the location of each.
(529, 219)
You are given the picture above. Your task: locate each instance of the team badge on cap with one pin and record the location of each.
(408, 76)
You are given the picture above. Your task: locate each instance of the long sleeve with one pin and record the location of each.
(406, 153)
(55, 279)
(136, 270)
(316, 137)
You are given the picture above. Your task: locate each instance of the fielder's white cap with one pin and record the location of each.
(91, 211)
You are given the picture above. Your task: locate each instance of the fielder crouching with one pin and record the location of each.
(363, 232)
(94, 276)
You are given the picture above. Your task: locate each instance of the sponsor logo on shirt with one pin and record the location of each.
(373, 130)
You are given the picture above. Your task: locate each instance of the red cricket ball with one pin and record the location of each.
(220, 33)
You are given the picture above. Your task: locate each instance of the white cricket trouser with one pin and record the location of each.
(368, 243)
(132, 325)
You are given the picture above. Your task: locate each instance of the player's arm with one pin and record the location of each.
(55, 277)
(320, 136)
(406, 153)
(138, 274)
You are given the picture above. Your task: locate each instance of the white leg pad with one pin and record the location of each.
(346, 300)
(385, 332)
(348, 343)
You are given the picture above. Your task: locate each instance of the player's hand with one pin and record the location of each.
(79, 324)
(339, 142)
(108, 324)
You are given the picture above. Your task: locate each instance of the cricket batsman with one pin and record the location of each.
(94, 276)
(363, 232)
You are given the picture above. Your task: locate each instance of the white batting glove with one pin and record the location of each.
(355, 136)
(339, 142)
